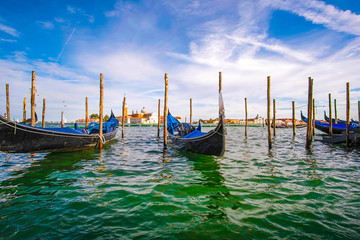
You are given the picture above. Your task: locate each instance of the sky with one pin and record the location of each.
(134, 43)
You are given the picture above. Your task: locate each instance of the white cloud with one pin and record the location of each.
(9, 30)
(46, 24)
(7, 40)
(321, 13)
(239, 46)
(82, 12)
(235, 52)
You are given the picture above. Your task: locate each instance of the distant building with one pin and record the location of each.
(258, 120)
(142, 117)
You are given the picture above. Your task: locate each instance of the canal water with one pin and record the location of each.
(132, 190)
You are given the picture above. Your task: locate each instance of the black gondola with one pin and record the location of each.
(186, 137)
(339, 121)
(18, 137)
(336, 128)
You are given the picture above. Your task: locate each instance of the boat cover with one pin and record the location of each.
(176, 128)
(194, 134)
(172, 124)
(62, 130)
(108, 126)
(199, 127)
(93, 128)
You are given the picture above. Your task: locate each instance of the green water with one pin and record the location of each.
(131, 190)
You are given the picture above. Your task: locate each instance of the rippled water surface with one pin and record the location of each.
(132, 190)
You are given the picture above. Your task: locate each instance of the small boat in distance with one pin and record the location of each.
(186, 137)
(18, 137)
(336, 128)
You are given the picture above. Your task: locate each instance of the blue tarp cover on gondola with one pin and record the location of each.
(62, 130)
(184, 130)
(93, 128)
(172, 124)
(195, 134)
(108, 126)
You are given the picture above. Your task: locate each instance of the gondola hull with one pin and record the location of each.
(324, 127)
(338, 121)
(15, 137)
(212, 143)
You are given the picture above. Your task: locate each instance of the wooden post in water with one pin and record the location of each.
(159, 113)
(335, 111)
(269, 110)
(359, 110)
(101, 111)
(293, 118)
(33, 98)
(313, 118)
(220, 82)
(246, 117)
(330, 116)
(309, 115)
(7, 102)
(165, 110)
(86, 112)
(24, 110)
(43, 113)
(123, 118)
(274, 119)
(190, 110)
(62, 119)
(347, 114)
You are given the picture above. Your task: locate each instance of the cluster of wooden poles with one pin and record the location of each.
(33, 91)
(273, 121)
(310, 112)
(311, 109)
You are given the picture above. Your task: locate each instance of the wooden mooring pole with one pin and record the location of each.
(335, 111)
(220, 82)
(33, 98)
(359, 110)
(86, 112)
(293, 118)
(43, 113)
(62, 119)
(190, 110)
(313, 118)
(159, 113)
(24, 110)
(7, 102)
(165, 110)
(246, 117)
(309, 125)
(123, 118)
(330, 116)
(269, 110)
(348, 114)
(274, 119)
(101, 111)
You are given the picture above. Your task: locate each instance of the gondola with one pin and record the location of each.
(186, 137)
(338, 121)
(336, 128)
(18, 137)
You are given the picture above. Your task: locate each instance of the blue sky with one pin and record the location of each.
(133, 43)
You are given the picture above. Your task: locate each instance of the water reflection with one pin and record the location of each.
(42, 173)
(218, 195)
(165, 173)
